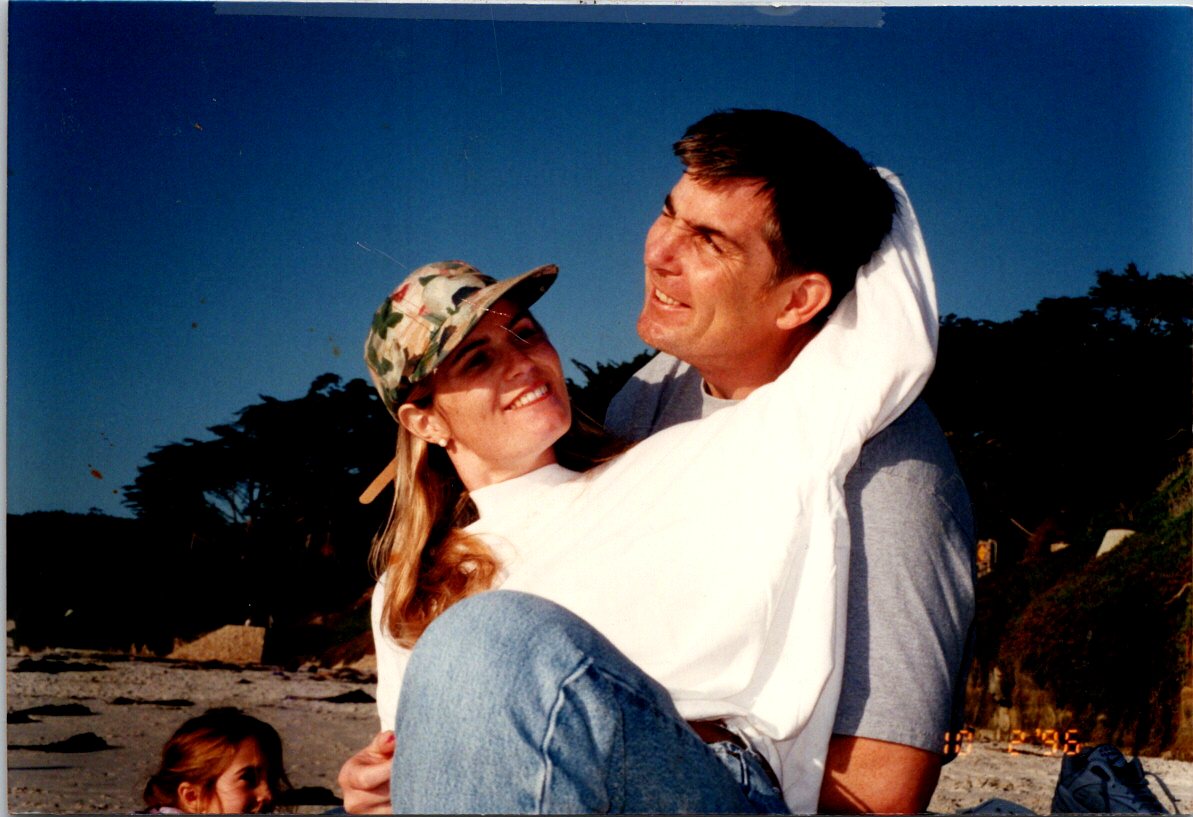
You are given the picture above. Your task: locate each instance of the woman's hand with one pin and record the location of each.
(364, 777)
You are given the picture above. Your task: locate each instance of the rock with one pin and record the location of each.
(1112, 539)
(232, 644)
(356, 696)
(85, 742)
(366, 665)
(53, 710)
(53, 666)
(170, 702)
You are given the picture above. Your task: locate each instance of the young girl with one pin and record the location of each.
(221, 762)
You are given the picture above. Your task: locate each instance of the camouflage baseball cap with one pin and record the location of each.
(427, 316)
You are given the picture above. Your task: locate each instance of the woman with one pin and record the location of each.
(710, 554)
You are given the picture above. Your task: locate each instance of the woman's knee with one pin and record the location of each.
(489, 635)
(495, 617)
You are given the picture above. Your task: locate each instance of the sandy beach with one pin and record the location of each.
(135, 705)
(131, 706)
(1028, 777)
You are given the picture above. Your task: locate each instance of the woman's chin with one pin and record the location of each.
(547, 423)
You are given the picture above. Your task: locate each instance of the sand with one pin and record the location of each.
(1028, 778)
(319, 735)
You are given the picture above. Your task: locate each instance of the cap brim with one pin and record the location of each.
(526, 289)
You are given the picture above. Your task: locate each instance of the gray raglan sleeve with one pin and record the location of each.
(658, 395)
(630, 411)
(911, 594)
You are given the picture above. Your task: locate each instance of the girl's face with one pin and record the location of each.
(500, 400)
(243, 787)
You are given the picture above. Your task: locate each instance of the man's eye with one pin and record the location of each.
(710, 242)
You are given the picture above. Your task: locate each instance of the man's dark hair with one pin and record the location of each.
(830, 209)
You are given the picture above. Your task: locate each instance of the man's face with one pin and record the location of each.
(708, 274)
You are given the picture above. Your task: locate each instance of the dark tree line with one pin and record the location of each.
(259, 523)
(1069, 420)
(1066, 417)
(1063, 420)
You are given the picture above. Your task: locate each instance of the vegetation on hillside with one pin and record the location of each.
(1110, 637)
(1064, 422)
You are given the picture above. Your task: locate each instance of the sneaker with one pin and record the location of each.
(1100, 780)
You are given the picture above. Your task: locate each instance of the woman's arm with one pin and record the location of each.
(364, 777)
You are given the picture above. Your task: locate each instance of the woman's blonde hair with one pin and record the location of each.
(428, 560)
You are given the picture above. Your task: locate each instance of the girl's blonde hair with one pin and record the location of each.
(428, 560)
(201, 749)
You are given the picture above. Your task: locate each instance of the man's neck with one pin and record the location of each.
(735, 380)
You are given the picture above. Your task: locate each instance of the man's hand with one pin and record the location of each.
(365, 777)
(862, 776)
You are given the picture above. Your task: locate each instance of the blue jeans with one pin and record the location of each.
(512, 704)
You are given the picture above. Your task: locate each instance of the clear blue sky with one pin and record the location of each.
(206, 202)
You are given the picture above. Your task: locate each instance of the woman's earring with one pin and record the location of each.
(442, 443)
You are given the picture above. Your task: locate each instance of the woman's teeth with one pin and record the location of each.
(529, 397)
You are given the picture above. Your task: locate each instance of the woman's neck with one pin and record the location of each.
(476, 474)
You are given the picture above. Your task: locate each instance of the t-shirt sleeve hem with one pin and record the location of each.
(929, 741)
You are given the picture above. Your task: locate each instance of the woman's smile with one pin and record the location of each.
(532, 396)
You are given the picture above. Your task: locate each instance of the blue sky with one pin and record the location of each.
(206, 202)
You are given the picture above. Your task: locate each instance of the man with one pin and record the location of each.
(751, 209)
(733, 227)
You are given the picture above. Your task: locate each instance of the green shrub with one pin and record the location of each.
(1111, 639)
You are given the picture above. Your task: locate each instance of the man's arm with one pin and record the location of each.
(910, 595)
(910, 611)
(873, 776)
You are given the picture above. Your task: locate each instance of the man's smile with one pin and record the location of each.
(665, 299)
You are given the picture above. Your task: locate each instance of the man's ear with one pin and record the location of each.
(422, 422)
(802, 298)
(190, 798)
